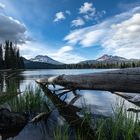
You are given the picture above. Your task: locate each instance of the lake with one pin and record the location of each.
(98, 102)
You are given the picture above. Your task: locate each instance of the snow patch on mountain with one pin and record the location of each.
(45, 59)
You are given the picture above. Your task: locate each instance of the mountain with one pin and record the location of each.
(45, 59)
(111, 58)
(40, 65)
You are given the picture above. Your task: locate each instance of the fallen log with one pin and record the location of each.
(124, 80)
(135, 99)
(69, 112)
(41, 116)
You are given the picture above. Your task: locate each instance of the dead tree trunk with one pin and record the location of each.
(69, 112)
(124, 80)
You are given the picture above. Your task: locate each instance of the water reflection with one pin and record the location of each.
(98, 102)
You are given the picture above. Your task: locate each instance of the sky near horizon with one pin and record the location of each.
(72, 30)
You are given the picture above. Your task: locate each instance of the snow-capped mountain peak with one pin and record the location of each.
(110, 58)
(45, 59)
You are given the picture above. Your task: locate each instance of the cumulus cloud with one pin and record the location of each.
(87, 8)
(59, 16)
(2, 6)
(65, 55)
(119, 35)
(89, 12)
(77, 22)
(12, 29)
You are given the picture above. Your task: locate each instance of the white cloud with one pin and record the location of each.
(68, 12)
(87, 8)
(2, 6)
(31, 49)
(63, 50)
(59, 16)
(119, 35)
(89, 12)
(91, 38)
(77, 22)
(64, 54)
(12, 29)
(126, 37)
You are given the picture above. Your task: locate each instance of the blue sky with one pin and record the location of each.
(72, 30)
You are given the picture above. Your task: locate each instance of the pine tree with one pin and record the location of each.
(6, 55)
(1, 57)
(12, 57)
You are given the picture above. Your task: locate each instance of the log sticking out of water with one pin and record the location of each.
(41, 116)
(124, 80)
(135, 99)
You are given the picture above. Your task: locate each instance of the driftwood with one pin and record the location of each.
(124, 80)
(135, 99)
(41, 116)
(69, 112)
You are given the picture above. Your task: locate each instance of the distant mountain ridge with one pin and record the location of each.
(108, 59)
(28, 64)
(45, 59)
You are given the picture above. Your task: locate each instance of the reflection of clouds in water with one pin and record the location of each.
(96, 101)
(37, 73)
(26, 83)
(100, 102)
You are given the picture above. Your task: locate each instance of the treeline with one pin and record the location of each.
(10, 56)
(97, 65)
(104, 65)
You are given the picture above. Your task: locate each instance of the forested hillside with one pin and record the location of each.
(10, 56)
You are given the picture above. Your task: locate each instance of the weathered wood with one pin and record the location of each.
(124, 80)
(135, 99)
(41, 116)
(69, 112)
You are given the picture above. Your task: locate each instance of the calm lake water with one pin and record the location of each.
(98, 102)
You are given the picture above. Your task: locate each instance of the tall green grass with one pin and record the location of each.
(61, 133)
(30, 101)
(122, 125)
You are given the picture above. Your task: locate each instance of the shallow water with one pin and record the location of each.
(98, 102)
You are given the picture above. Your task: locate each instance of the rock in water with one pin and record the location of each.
(11, 123)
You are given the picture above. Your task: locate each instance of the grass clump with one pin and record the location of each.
(61, 133)
(123, 125)
(30, 101)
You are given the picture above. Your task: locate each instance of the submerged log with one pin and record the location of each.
(124, 80)
(41, 116)
(69, 112)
